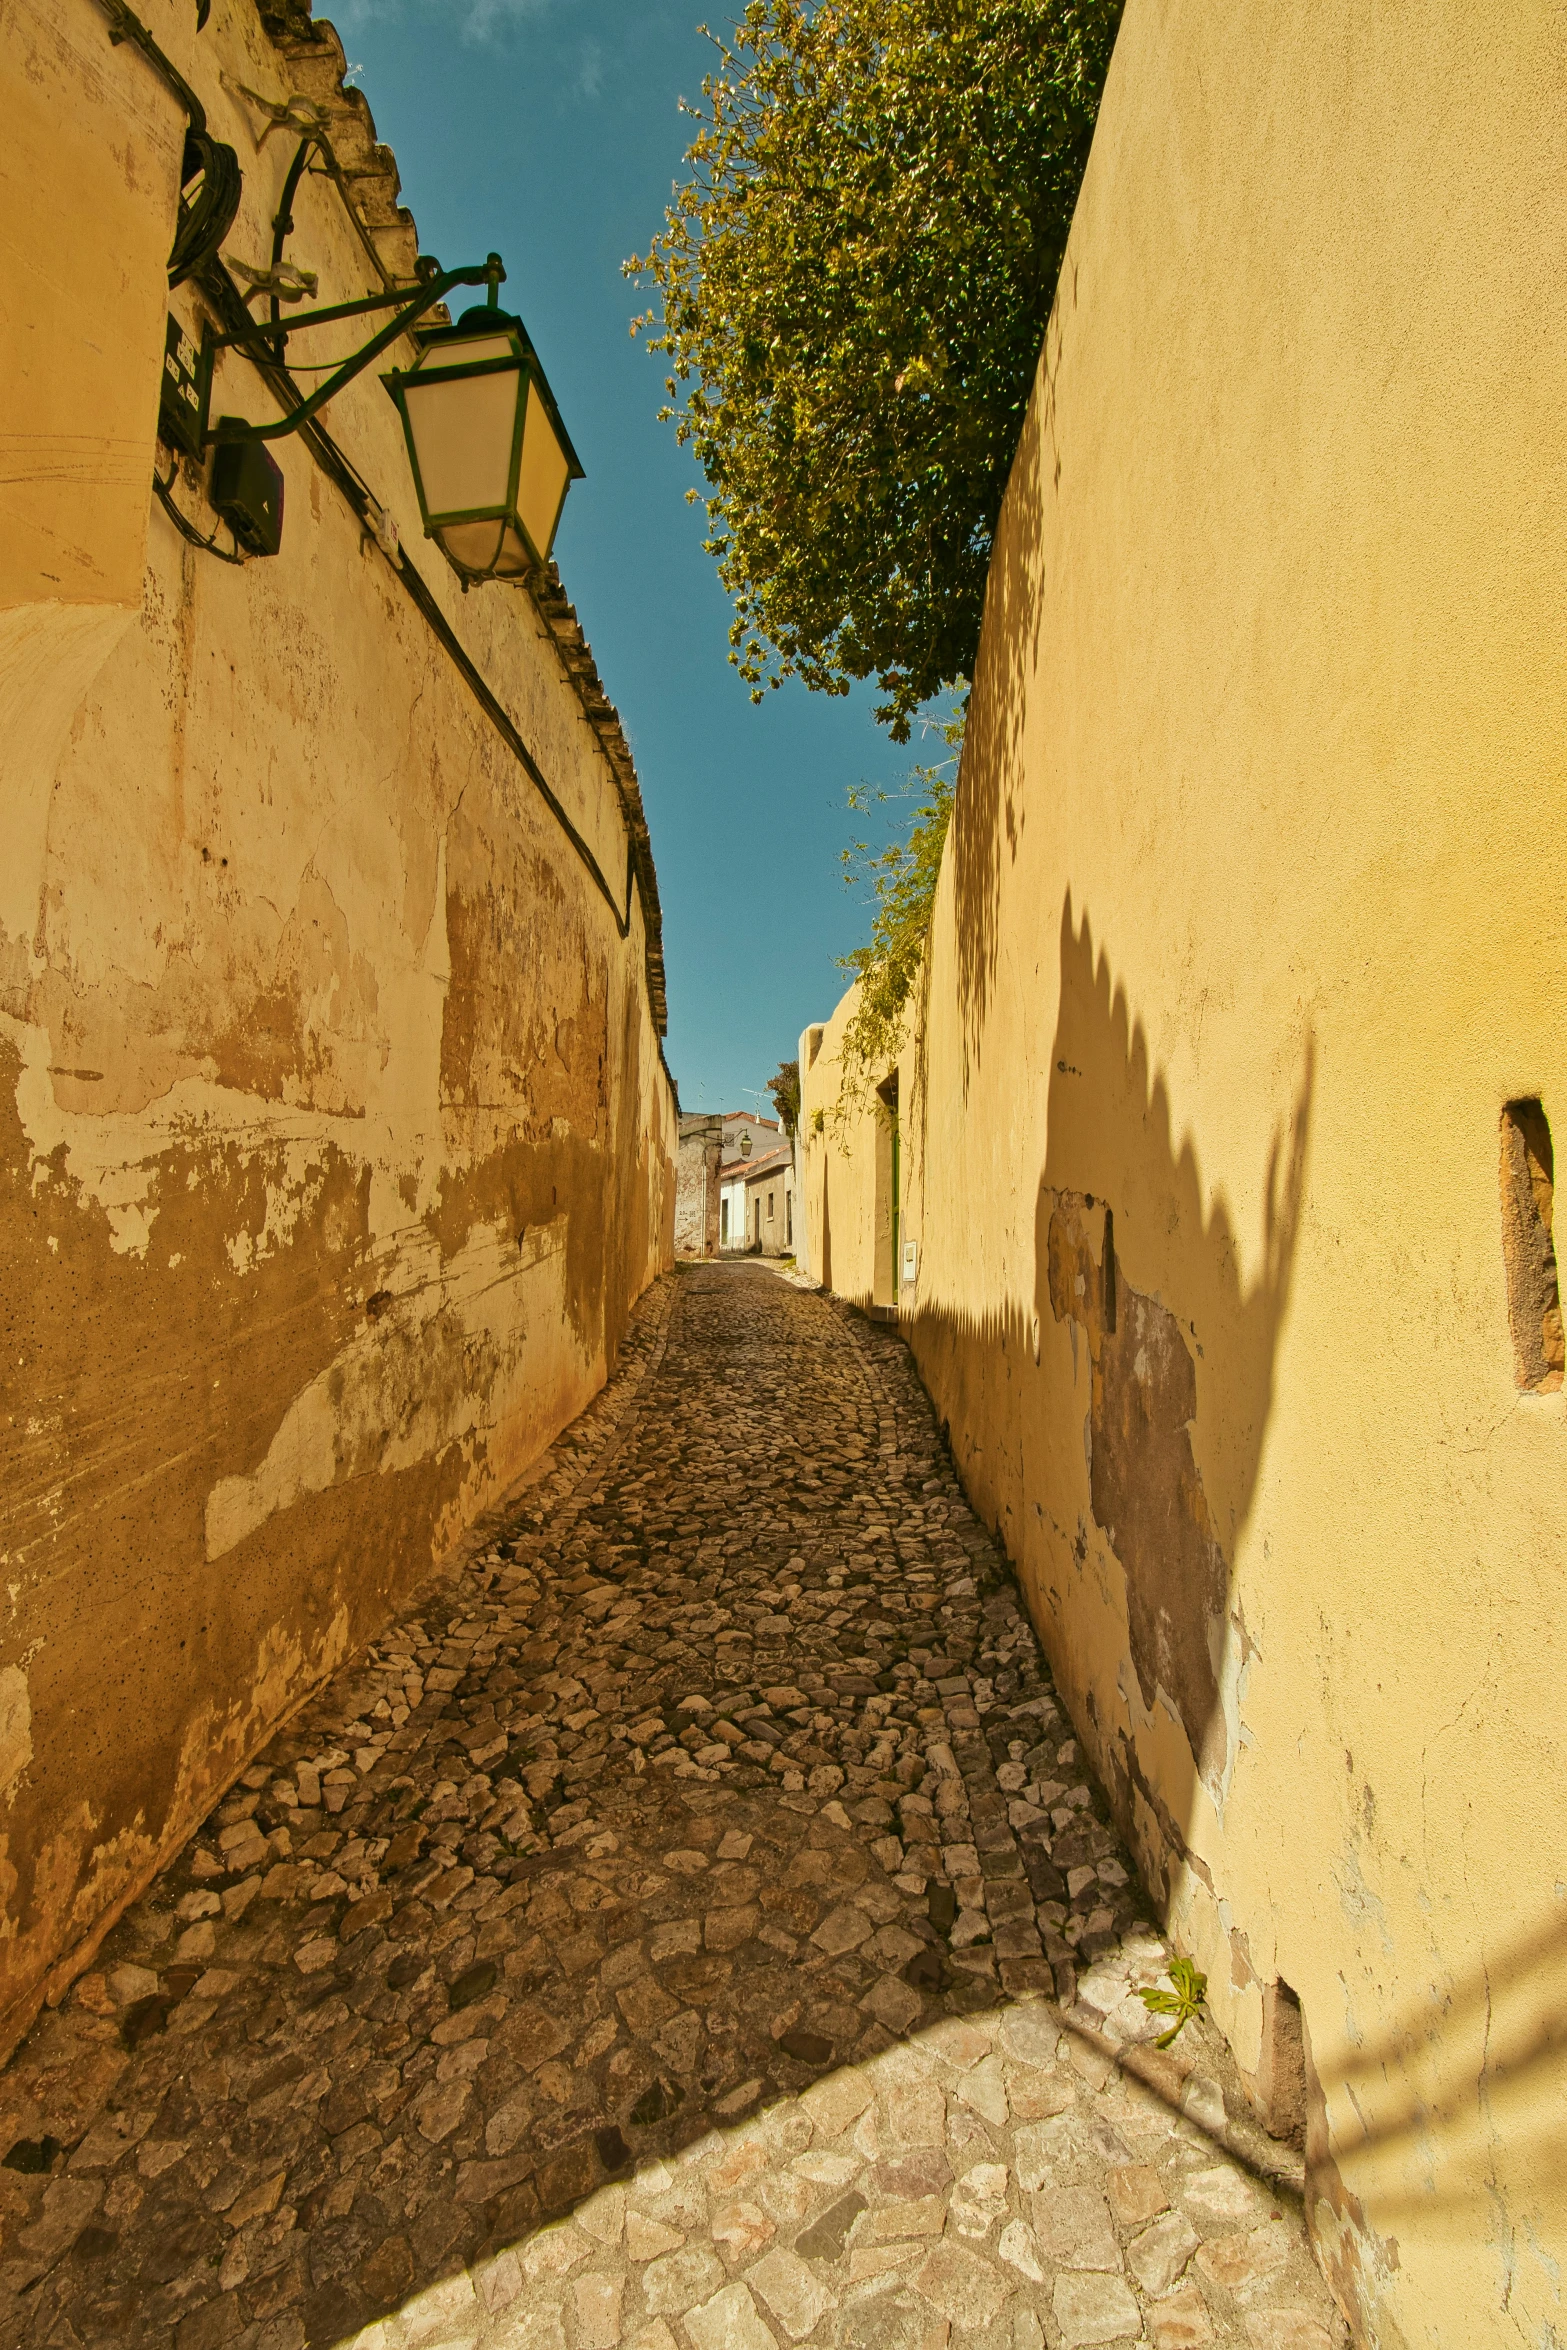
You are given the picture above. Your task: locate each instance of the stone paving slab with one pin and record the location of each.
(693, 1928)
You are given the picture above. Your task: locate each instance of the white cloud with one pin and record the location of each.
(475, 21)
(590, 69)
(484, 20)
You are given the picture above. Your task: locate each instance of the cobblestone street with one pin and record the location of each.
(693, 1928)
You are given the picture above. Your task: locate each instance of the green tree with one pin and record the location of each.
(853, 288)
(785, 1090)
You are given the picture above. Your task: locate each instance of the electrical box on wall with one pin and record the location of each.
(180, 394)
(247, 490)
(911, 1259)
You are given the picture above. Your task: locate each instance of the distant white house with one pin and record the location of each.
(756, 1203)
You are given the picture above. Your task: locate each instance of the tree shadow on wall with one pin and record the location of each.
(1137, 1443)
(1164, 1392)
(988, 816)
(1448, 2109)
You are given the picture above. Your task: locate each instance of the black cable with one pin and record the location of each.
(205, 223)
(418, 589)
(183, 524)
(127, 26)
(205, 220)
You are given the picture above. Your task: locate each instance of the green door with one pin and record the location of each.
(897, 1204)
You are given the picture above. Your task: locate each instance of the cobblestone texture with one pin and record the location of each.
(694, 1929)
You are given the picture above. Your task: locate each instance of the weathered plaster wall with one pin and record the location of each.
(696, 1185)
(1248, 930)
(82, 302)
(844, 1212)
(775, 1185)
(337, 1141)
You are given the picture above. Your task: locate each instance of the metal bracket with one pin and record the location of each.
(259, 341)
(288, 283)
(292, 113)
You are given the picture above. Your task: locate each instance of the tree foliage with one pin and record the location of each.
(854, 284)
(785, 1090)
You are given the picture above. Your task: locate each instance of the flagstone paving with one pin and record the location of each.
(692, 1928)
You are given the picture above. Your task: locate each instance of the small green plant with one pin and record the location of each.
(902, 882)
(818, 1121)
(1184, 2002)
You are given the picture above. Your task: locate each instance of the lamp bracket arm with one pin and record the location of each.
(415, 302)
(255, 342)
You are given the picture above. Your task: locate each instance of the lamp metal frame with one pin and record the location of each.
(522, 360)
(411, 305)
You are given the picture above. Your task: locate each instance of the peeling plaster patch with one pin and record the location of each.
(1359, 2265)
(289, 1203)
(16, 1728)
(1146, 1489)
(130, 1224)
(113, 1158)
(1360, 1905)
(424, 1375)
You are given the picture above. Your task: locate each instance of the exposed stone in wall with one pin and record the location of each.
(697, 1186)
(1145, 1484)
(1528, 1248)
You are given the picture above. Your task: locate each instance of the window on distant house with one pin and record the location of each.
(788, 1219)
(769, 1207)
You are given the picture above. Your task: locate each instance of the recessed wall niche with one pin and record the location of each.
(1528, 1248)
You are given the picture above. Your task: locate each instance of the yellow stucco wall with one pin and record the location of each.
(336, 1139)
(89, 178)
(847, 1167)
(1249, 926)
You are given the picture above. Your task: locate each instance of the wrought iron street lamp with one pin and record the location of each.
(491, 459)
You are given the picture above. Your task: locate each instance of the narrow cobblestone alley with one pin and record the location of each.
(693, 1929)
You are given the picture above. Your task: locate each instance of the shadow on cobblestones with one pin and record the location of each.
(692, 1927)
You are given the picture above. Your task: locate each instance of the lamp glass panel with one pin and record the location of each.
(473, 546)
(541, 482)
(492, 548)
(514, 560)
(462, 433)
(470, 349)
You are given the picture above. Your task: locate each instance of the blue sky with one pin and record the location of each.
(550, 130)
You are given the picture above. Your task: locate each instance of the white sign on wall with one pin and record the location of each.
(911, 1259)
